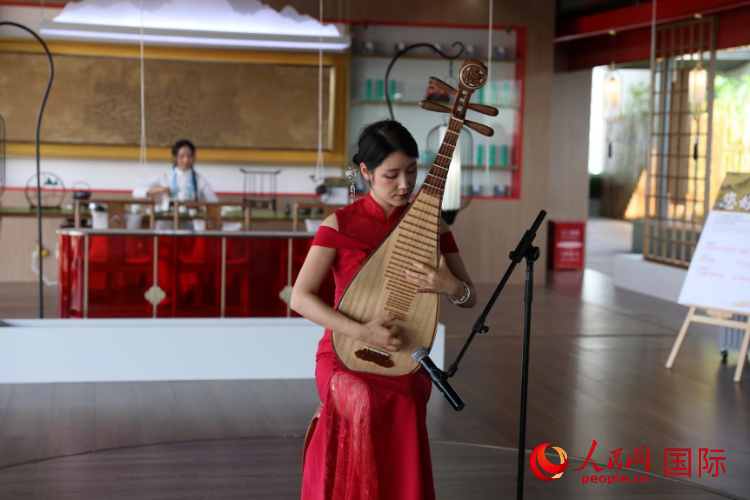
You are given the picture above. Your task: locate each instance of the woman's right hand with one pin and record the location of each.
(380, 333)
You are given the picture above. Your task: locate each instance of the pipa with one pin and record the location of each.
(380, 286)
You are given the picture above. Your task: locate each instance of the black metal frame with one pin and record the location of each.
(448, 216)
(36, 144)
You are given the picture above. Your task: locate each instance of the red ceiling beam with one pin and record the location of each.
(630, 46)
(53, 5)
(639, 16)
(634, 44)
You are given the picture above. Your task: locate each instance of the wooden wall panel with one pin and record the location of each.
(18, 240)
(569, 140)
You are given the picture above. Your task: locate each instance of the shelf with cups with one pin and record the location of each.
(431, 58)
(408, 85)
(406, 89)
(416, 103)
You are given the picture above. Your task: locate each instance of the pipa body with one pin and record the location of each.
(380, 286)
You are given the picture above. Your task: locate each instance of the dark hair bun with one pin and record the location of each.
(378, 140)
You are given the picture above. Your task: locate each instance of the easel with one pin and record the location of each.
(718, 318)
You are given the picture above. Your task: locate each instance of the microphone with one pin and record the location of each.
(438, 378)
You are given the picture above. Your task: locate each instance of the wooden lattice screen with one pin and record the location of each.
(678, 182)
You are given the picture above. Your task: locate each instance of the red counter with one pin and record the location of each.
(108, 273)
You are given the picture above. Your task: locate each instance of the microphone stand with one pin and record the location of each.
(524, 250)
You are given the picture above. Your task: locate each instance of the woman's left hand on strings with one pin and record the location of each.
(434, 280)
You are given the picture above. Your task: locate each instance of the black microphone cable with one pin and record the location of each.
(38, 169)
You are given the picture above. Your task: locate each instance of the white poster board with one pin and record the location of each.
(719, 273)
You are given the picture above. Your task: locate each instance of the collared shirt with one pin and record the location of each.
(181, 186)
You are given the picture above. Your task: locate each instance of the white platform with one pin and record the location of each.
(634, 273)
(119, 350)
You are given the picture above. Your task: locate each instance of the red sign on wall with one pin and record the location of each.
(566, 245)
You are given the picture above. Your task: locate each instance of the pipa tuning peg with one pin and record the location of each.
(478, 127)
(434, 106)
(440, 84)
(484, 109)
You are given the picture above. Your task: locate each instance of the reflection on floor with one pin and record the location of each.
(268, 468)
(604, 239)
(596, 373)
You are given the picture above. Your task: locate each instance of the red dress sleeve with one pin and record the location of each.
(447, 243)
(329, 237)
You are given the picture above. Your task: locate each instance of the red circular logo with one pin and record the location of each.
(537, 456)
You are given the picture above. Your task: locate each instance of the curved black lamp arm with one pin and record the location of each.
(407, 49)
(36, 143)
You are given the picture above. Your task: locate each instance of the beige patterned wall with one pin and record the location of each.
(96, 101)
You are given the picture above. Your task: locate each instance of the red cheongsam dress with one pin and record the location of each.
(370, 442)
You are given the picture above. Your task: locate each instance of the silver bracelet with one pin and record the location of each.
(465, 296)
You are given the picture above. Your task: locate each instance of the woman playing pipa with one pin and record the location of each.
(391, 260)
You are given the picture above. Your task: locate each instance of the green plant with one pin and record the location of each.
(637, 102)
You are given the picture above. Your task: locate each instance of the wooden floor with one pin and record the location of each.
(606, 238)
(597, 373)
(263, 468)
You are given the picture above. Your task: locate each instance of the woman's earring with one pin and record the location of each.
(351, 175)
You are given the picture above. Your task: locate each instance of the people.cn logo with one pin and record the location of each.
(537, 456)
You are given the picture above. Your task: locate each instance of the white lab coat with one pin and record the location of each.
(182, 182)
